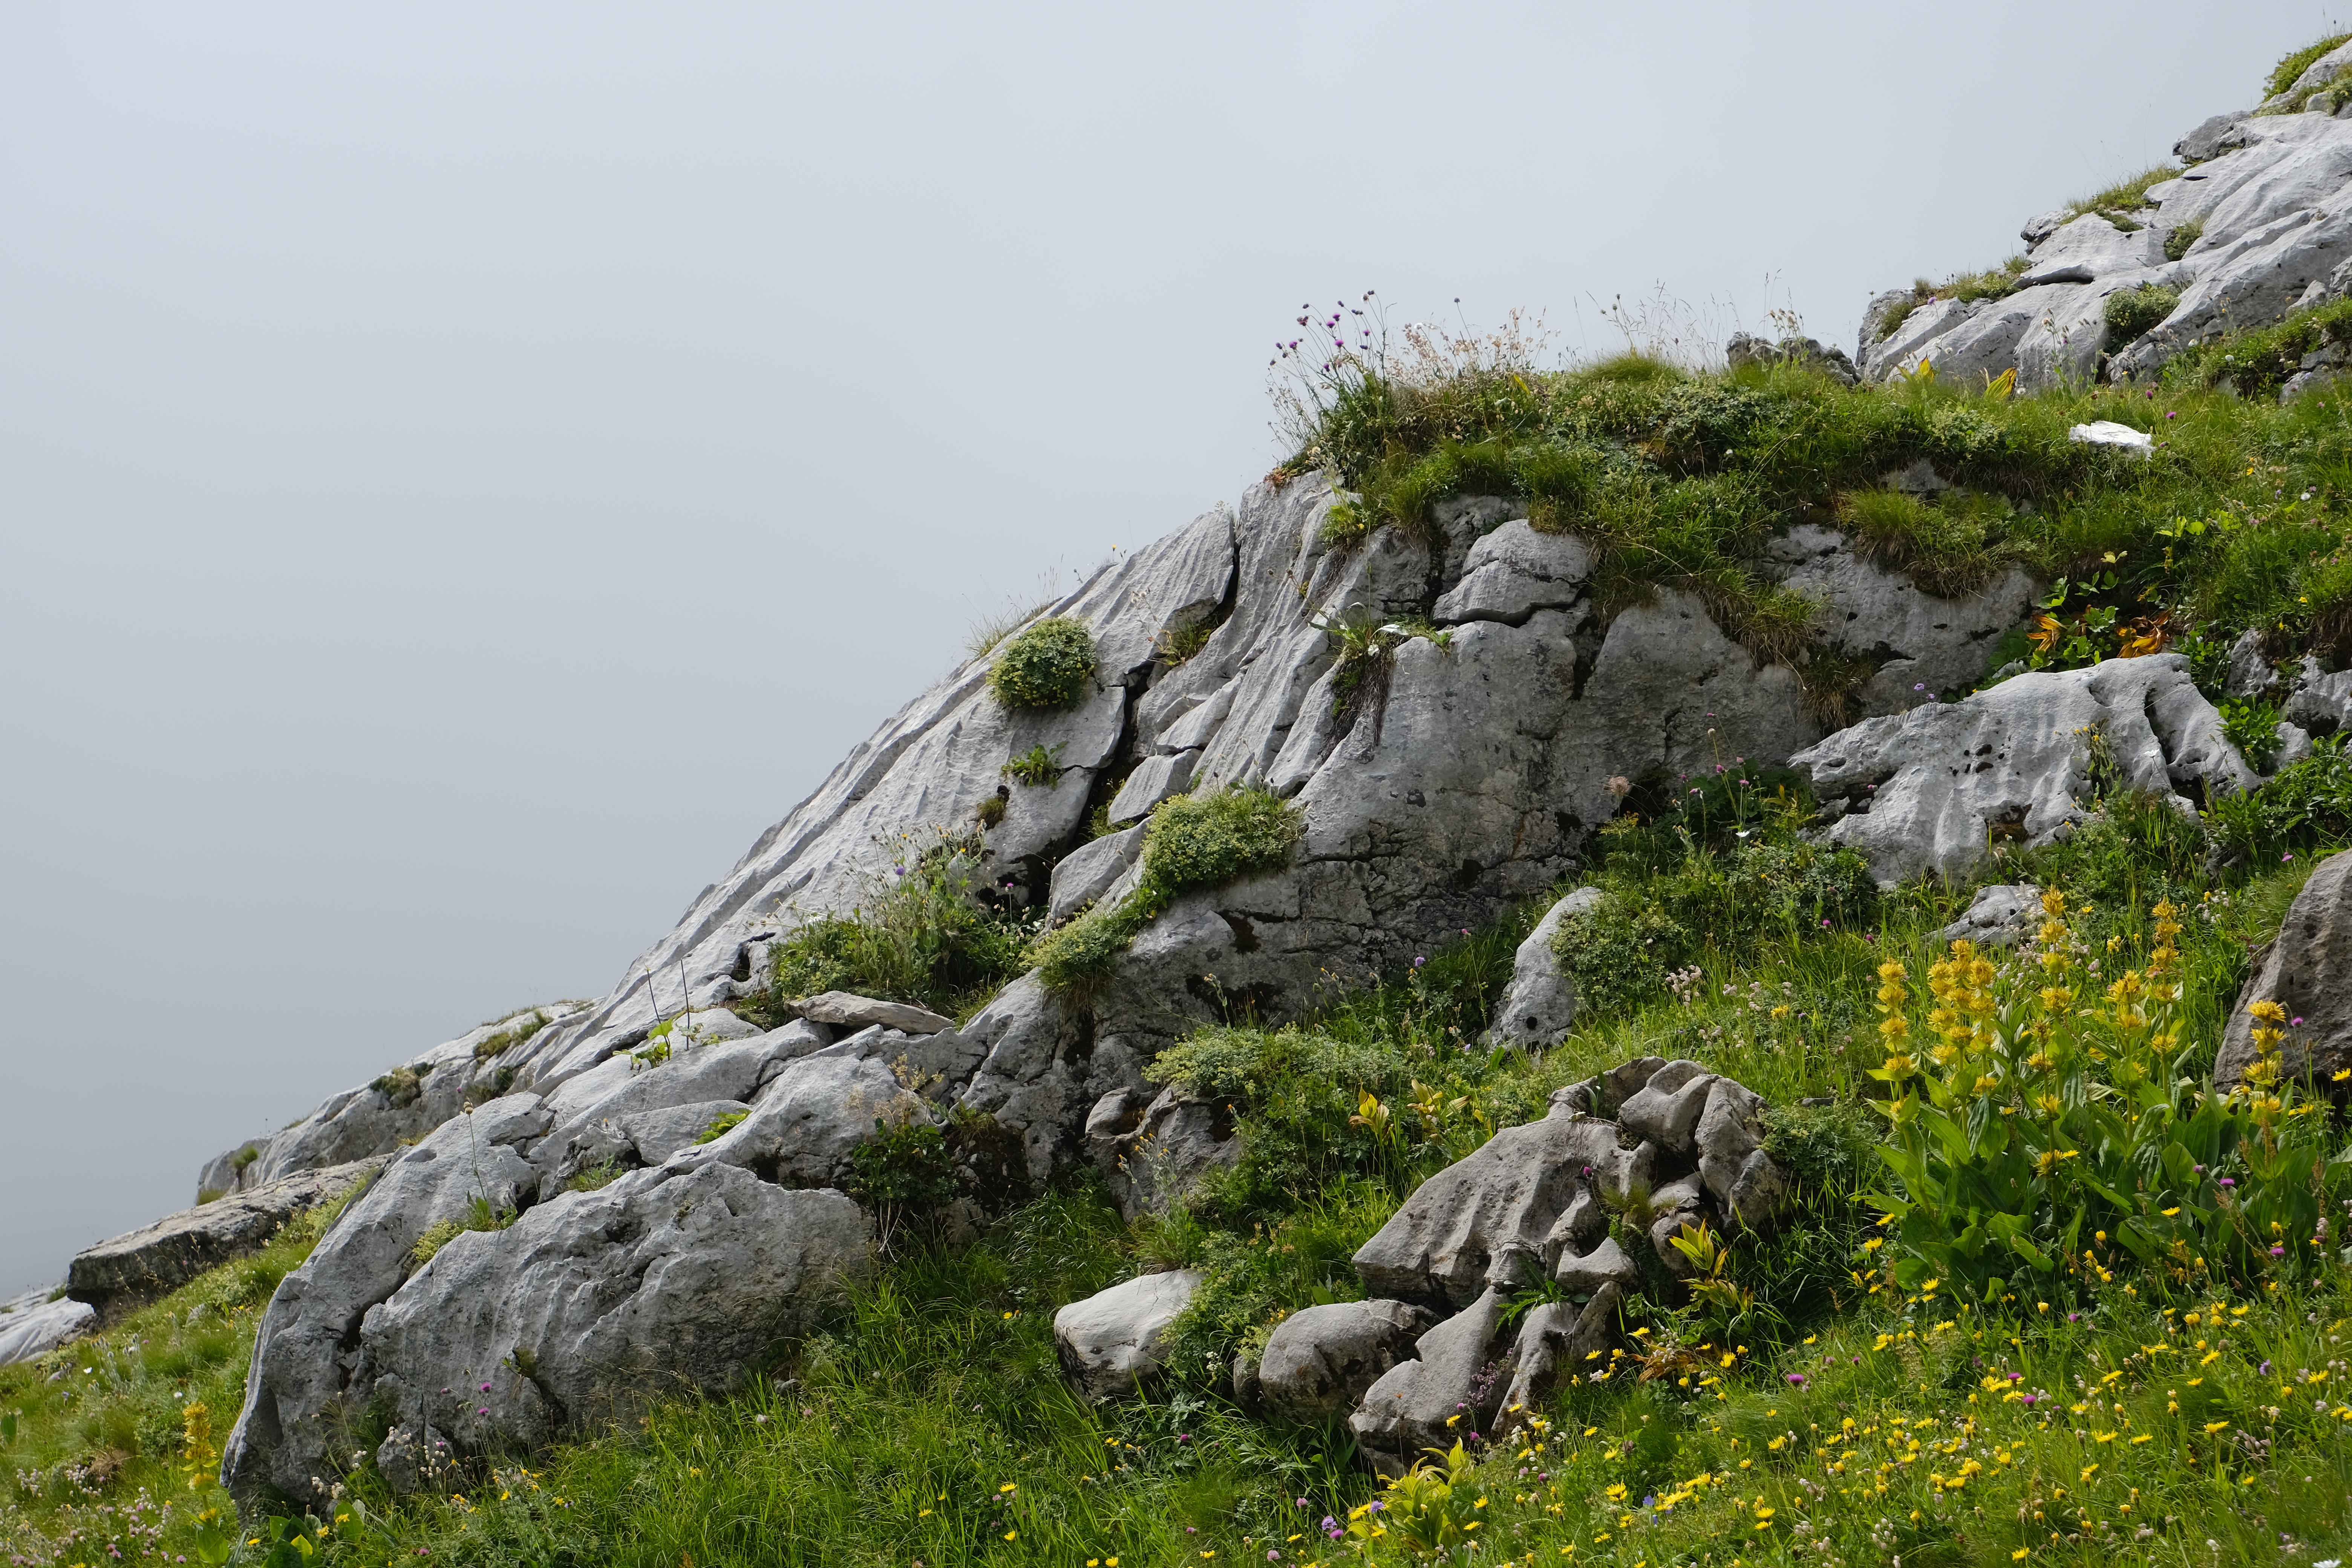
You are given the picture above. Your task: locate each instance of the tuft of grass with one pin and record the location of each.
(2126, 197)
(1952, 546)
(2131, 313)
(508, 1038)
(2183, 236)
(2283, 75)
(1050, 665)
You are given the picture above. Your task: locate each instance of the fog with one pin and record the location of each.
(466, 471)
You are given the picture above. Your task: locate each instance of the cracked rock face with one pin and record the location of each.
(2273, 196)
(2307, 969)
(592, 1305)
(1929, 792)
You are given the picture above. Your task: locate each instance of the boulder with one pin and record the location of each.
(152, 1261)
(803, 1126)
(596, 1114)
(298, 1390)
(1115, 1342)
(1449, 1392)
(2307, 969)
(1586, 1274)
(1930, 791)
(1667, 1109)
(38, 1321)
(841, 1010)
(1088, 872)
(2317, 702)
(1320, 1360)
(1556, 1341)
(1514, 572)
(1539, 1004)
(1442, 1242)
(1154, 1157)
(1155, 779)
(594, 1305)
(2001, 915)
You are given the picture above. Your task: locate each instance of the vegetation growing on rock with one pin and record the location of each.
(1048, 665)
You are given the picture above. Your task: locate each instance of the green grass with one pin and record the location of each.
(117, 1404)
(2284, 75)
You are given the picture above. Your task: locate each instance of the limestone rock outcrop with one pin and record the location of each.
(1929, 792)
(2259, 224)
(38, 1321)
(151, 1262)
(1319, 1361)
(594, 1304)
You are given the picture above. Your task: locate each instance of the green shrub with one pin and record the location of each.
(2251, 726)
(904, 1172)
(920, 934)
(1833, 1146)
(1624, 950)
(2183, 236)
(1050, 665)
(2308, 806)
(2132, 313)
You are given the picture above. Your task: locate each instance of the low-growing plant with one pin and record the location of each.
(723, 1123)
(2308, 807)
(920, 934)
(1050, 665)
(1036, 766)
(2132, 313)
(2251, 726)
(2177, 243)
(2293, 65)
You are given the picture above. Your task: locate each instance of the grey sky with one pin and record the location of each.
(465, 470)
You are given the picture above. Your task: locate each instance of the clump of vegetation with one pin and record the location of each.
(508, 1038)
(924, 933)
(2290, 68)
(1952, 546)
(480, 1215)
(1036, 766)
(2252, 727)
(2182, 236)
(2132, 313)
(401, 1085)
(2126, 197)
(1992, 283)
(723, 1123)
(1194, 841)
(905, 1171)
(1050, 665)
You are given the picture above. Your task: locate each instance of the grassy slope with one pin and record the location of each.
(902, 1428)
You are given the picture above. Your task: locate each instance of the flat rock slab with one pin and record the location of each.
(156, 1260)
(33, 1324)
(844, 1010)
(1116, 1341)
